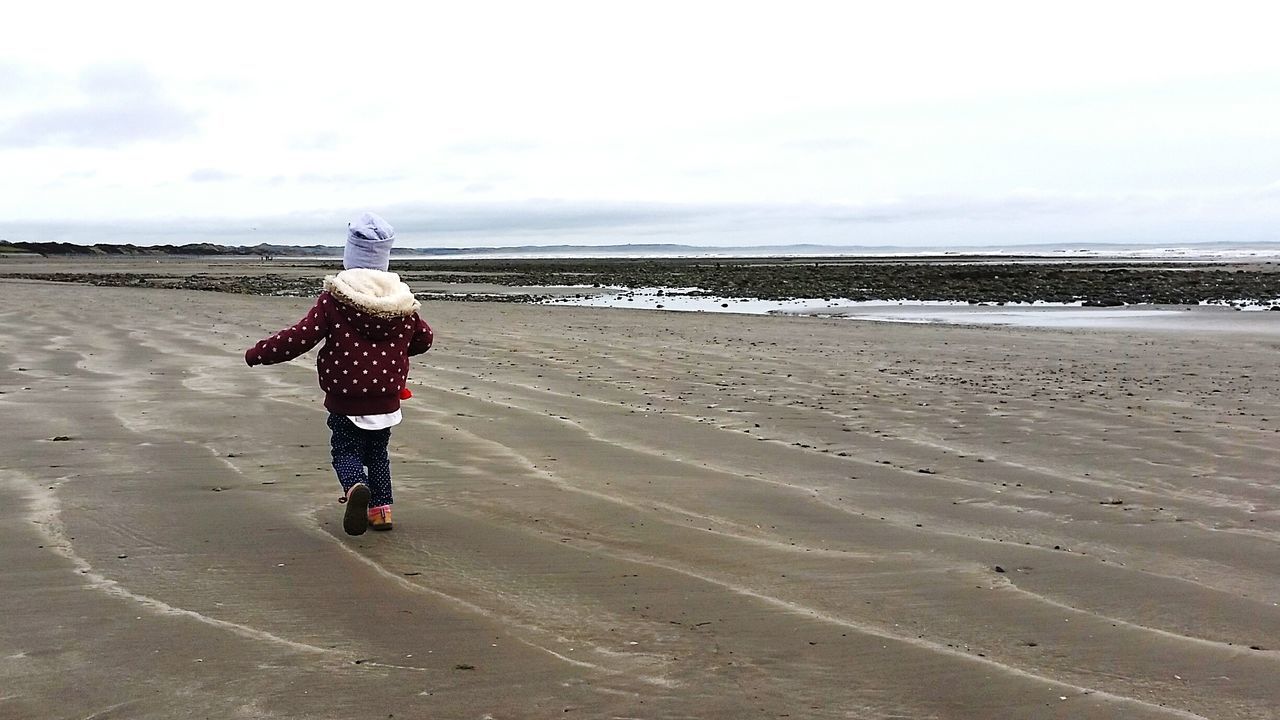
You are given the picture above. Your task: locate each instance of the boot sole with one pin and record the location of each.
(380, 528)
(356, 518)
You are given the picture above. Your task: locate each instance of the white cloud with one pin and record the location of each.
(930, 115)
(120, 105)
(1245, 214)
(210, 175)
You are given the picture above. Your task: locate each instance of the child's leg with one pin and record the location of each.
(347, 446)
(375, 458)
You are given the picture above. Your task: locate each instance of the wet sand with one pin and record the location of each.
(603, 513)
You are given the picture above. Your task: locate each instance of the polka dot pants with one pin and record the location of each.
(360, 456)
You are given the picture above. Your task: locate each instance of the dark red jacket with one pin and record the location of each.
(365, 359)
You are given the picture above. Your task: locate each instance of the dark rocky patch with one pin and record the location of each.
(1100, 284)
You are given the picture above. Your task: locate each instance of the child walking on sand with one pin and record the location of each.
(369, 322)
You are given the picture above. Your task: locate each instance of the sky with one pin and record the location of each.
(914, 124)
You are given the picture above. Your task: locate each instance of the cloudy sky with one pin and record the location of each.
(933, 124)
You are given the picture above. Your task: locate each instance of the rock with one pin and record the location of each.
(999, 569)
(1101, 285)
(60, 438)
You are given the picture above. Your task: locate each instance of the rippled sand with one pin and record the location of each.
(603, 513)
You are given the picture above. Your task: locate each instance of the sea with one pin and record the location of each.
(1208, 318)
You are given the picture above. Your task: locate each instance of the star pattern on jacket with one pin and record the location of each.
(394, 340)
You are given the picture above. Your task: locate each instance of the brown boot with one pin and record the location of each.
(380, 517)
(355, 520)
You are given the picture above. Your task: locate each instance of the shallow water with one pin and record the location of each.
(1041, 314)
(1124, 318)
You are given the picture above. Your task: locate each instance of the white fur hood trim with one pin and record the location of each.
(376, 292)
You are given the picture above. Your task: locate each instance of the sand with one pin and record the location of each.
(618, 514)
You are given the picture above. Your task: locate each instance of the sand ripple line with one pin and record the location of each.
(45, 505)
(106, 711)
(649, 507)
(314, 525)
(704, 465)
(1234, 650)
(804, 611)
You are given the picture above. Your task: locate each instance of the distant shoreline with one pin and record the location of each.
(1188, 252)
(974, 280)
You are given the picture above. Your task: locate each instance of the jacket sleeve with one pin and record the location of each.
(292, 341)
(422, 337)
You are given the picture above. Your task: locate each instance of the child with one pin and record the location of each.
(369, 322)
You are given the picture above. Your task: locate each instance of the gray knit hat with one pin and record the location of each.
(369, 242)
